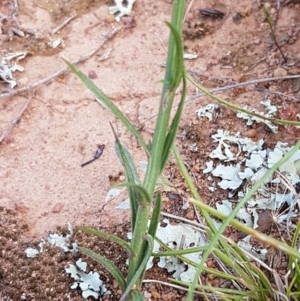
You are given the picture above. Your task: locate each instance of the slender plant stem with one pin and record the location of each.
(157, 148)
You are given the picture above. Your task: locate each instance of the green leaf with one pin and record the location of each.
(173, 129)
(131, 175)
(109, 265)
(177, 72)
(111, 237)
(155, 216)
(126, 159)
(109, 104)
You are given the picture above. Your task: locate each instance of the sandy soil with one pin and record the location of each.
(41, 175)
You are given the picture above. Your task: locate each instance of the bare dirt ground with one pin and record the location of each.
(43, 185)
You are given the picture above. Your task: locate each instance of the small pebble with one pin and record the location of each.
(256, 41)
(155, 295)
(195, 169)
(190, 215)
(57, 207)
(110, 18)
(251, 133)
(92, 74)
(279, 72)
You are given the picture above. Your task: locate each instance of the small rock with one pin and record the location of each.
(279, 72)
(190, 215)
(92, 74)
(110, 18)
(256, 41)
(155, 294)
(57, 207)
(195, 169)
(251, 133)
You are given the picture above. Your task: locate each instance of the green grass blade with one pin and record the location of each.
(111, 237)
(237, 108)
(294, 265)
(260, 236)
(222, 293)
(178, 65)
(109, 265)
(126, 160)
(177, 17)
(155, 216)
(131, 174)
(109, 104)
(231, 216)
(173, 129)
(178, 75)
(140, 271)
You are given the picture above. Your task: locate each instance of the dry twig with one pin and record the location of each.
(59, 27)
(45, 80)
(16, 119)
(58, 73)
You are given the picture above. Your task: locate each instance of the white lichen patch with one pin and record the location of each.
(230, 176)
(9, 64)
(90, 283)
(271, 110)
(63, 241)
(120, 9)
(179, 237)
(208, 111)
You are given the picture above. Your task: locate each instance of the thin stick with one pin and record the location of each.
(58, 73)
(16, 120)
(59, 27)
(243, 84)
(188, 10)
(174, 286)
(278, 93)
(161, 42)
(200, 227)
(237, 85)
